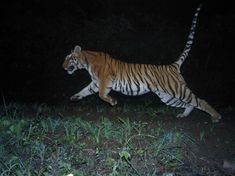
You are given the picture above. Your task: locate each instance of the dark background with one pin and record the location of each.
(37, 35)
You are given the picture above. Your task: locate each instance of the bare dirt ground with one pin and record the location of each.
(217, 141)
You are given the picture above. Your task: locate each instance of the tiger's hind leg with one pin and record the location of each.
(175, 102)
(204, 106)
(189, 102)
(188, 109)
(191, 99)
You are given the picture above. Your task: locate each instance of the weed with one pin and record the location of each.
(71, 132)
(5, 106)
(72, 145)
(54, 124)
(17, 129)
(127, 128)
(202, 135)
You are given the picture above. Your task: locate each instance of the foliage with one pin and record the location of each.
(44, 143)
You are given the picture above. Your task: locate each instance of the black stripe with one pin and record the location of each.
(182, 92)
(173, 102)
(90, 53)
(189, 97)
(168, 101)
(129, 84)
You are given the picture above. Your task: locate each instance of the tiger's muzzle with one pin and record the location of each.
(71, 69)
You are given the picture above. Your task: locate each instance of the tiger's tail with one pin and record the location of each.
(189, 42)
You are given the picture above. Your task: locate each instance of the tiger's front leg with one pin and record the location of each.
(89, 90)
(104, 89)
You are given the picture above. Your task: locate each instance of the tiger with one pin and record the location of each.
(166, 81)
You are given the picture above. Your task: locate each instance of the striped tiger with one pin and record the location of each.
(166, 81)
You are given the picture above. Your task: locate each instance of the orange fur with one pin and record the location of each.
(135, 79)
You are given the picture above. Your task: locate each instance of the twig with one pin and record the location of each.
(139, 135)
(130, 164)
(4, 103)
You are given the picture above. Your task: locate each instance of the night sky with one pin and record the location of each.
(37, 35)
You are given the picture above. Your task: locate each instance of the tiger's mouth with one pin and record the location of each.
(71, 69)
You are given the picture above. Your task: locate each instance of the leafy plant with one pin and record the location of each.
(17, 129)
(74, 145)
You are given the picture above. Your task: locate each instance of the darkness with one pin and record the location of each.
(37, 35)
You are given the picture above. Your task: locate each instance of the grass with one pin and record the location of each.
(44, 140)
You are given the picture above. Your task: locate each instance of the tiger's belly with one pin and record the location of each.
(130, 88)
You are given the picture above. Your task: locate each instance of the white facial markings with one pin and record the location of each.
(71, 67)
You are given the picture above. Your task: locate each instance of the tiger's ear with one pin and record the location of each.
(77, 49)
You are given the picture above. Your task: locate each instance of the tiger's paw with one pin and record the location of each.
(181, 115)
(216, 119)
(113, 102)
(75, 98)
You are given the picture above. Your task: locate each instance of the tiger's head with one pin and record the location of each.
(73, 61)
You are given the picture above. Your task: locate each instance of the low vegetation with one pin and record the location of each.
(46, 140)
